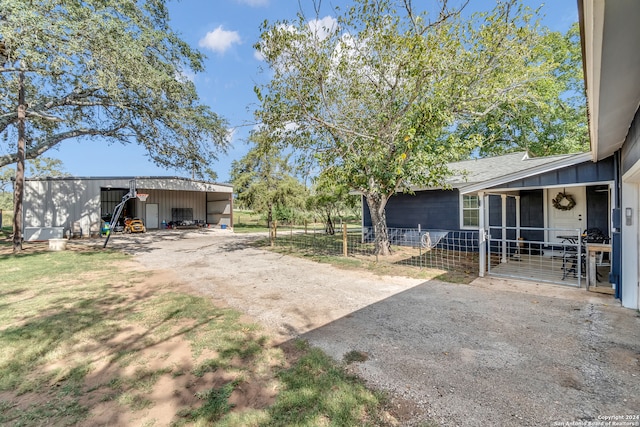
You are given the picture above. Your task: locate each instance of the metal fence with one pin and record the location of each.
(535, 257)
(447, 250)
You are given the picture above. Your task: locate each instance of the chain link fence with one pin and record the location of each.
(448, 250)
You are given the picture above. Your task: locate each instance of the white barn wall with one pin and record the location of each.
(62, 202)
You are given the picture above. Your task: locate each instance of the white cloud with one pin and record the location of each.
(322, 27)
(254, 3)
(291, 126)
(258, 55)
(186, 76)
(219, 40)
(231, 133)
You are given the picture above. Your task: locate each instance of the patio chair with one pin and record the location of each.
(570, 261)
(570, 255)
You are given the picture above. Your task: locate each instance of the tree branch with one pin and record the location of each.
(33, 151)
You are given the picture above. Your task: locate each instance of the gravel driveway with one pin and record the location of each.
(491, 353)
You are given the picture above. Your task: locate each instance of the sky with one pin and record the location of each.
(226, 31)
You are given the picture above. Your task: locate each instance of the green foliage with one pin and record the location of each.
(263, 181)
(330, 199)
(104, 68)
(288, 214)
(6, 205)
(376, 98)
(555, 121)
(40, 167)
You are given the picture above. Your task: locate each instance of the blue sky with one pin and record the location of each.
(225, 31)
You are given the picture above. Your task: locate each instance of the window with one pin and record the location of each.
(470, 211)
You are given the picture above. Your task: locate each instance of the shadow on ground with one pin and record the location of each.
(470, 356)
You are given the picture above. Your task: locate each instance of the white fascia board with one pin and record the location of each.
(537, 170)
(593, 21)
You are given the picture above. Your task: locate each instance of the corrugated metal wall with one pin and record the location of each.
(63, 202)
(168, 199)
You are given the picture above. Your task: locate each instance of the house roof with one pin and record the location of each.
(611, 61)
(478, 174)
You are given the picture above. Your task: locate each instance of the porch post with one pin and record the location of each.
(504, 227)
(518, 218)
(481, 235)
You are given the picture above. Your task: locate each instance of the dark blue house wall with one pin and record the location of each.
(582, 173)
(433, 209)
(440, 209)
(597, 208)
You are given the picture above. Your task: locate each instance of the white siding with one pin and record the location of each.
(68, 201)
(62, 203)
(630, 296)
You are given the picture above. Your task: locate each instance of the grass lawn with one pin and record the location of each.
(89, 340)
(245, 221)
(404, 261)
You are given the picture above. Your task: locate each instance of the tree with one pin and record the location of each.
(40, 167)
(557, 122)
(263, 179)
(376, 95)
(330, 199)
(99, 68)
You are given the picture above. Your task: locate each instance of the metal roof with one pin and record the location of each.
(479, 174)
(148, 183)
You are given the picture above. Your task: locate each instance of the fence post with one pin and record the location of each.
(483, 232)
(345, 249)
(420, 246)
(271, 234)
(305, 226)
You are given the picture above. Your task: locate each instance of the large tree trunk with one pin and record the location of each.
(377, 204)
(18, 189)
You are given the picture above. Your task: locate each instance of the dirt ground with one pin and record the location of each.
(491, 353)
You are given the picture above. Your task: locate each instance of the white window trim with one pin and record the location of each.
(461, 213)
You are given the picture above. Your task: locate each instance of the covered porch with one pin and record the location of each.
(553, 227)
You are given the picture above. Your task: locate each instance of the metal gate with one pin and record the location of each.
(509, 254)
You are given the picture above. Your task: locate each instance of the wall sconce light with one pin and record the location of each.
(628, 215)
